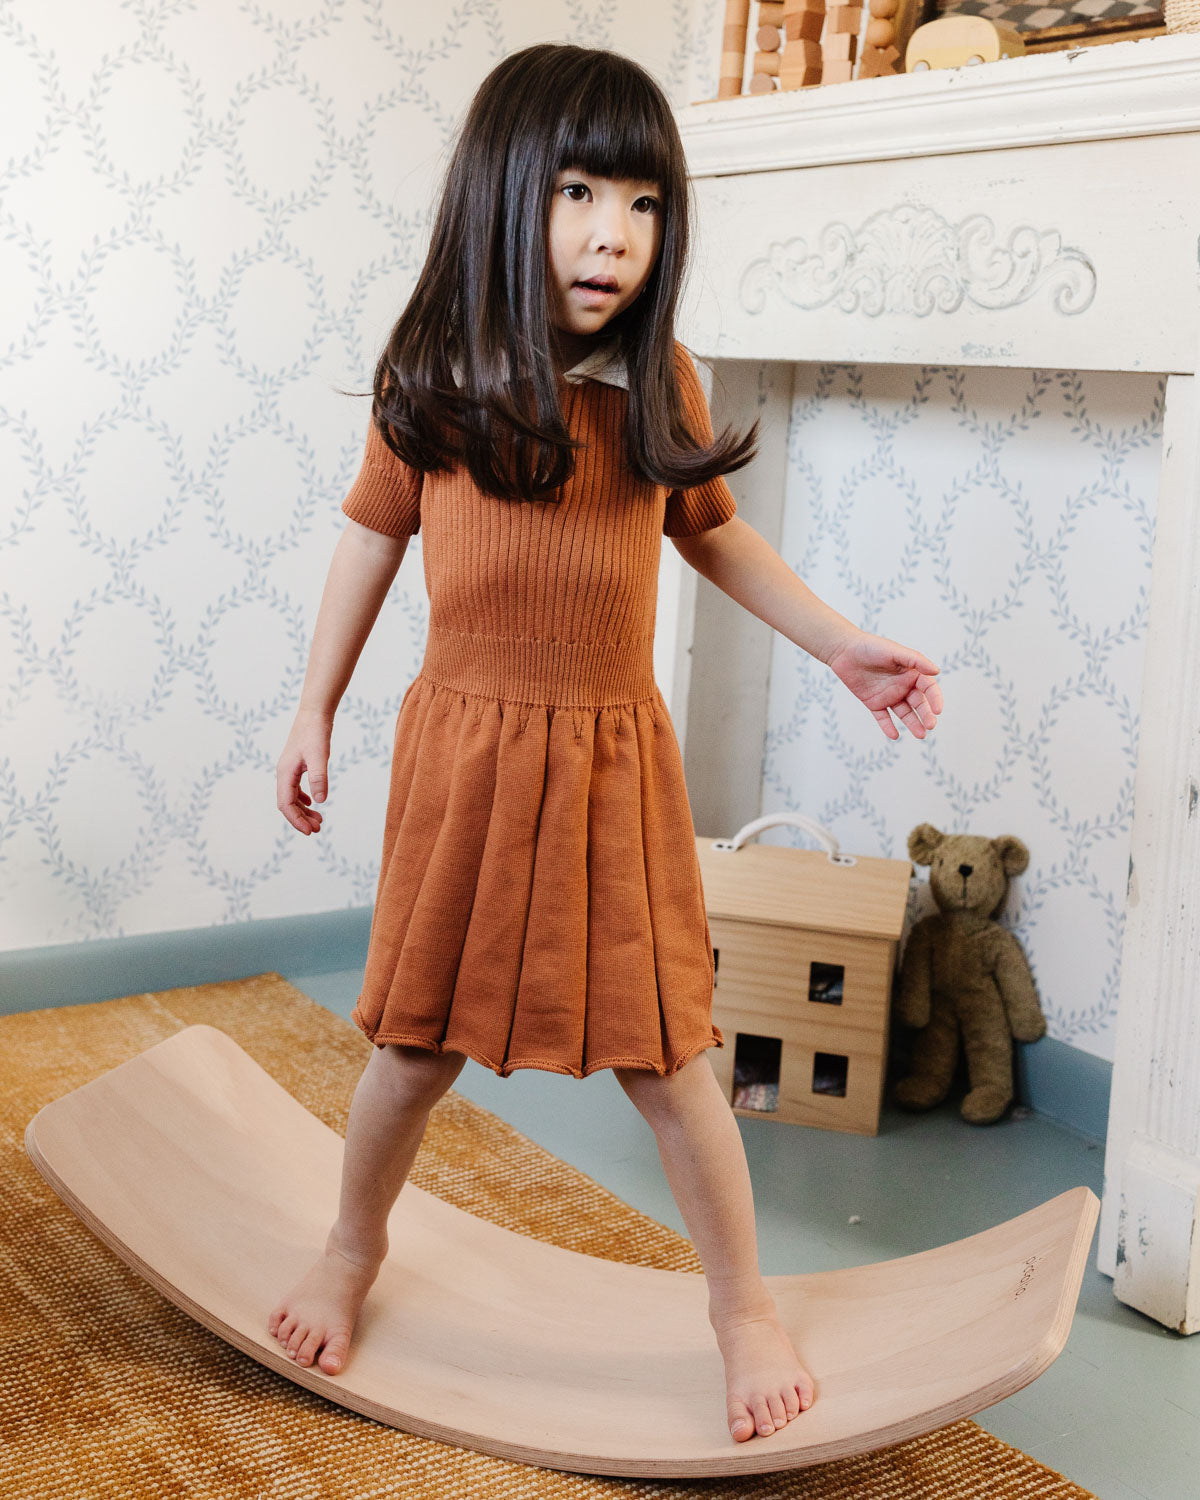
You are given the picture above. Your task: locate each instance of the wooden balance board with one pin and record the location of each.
(211, 1181)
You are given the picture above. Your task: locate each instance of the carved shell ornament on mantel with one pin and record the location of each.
(909, 259)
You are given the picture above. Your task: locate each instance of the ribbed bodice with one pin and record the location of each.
(548, 601)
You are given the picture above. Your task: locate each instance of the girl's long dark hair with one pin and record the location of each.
(481, 301)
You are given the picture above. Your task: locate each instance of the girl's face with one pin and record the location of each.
(599, 228)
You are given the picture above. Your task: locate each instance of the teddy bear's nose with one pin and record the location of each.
(965, 869)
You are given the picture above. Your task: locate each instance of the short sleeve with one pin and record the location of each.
(710, 504)
(386, 496)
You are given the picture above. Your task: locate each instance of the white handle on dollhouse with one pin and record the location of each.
(795, 820)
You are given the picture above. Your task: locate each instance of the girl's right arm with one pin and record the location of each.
(361, 571)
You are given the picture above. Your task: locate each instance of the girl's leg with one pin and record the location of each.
(388, 1115)
(701, 1150)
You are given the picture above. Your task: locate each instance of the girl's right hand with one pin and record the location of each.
(307, 749)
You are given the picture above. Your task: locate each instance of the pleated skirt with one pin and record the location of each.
(539, 902)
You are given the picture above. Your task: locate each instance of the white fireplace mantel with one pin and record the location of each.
(1040, 212)
(1047, 98)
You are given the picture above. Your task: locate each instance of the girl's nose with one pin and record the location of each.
(610, 233)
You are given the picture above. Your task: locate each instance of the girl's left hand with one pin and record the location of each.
(887, 676)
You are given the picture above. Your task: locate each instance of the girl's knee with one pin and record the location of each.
(651, 1092)
(666, 1096)
(422, 1074)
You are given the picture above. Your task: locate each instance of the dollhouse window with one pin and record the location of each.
(756, 1071)
(826, 982)
(829, 1073)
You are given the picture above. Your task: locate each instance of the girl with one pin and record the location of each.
(539, 901)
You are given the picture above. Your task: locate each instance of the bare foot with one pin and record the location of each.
(322, 1308)
(765, 1383)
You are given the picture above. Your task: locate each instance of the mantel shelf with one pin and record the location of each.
(1146, 87)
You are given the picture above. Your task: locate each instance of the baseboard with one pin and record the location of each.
(105, 968)
(1066, 1084)
(1054, 1079)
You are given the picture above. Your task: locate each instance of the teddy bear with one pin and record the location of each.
(963, 974)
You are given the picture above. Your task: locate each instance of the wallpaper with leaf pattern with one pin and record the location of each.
(210, 214)
(1000, 521)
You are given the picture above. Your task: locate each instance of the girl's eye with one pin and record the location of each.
(646, 198)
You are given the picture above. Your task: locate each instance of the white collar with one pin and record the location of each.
(604, 363)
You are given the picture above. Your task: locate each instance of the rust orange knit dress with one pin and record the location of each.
(539, 902)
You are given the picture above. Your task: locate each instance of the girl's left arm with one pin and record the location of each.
(880, 673)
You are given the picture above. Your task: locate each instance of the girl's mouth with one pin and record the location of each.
(595, 292)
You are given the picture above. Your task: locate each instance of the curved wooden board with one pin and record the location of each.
(211, 1181)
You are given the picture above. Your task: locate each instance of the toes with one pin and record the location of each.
(741, 1423)
(791, 1402)
(778, 1412)
(284, 1331)
(805, 1393)
(764, 1422)
(334, 1356)
(307, 1350)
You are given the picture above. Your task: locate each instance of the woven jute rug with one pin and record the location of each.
(107, 1389)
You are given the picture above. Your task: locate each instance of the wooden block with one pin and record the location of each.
(768, 38)
(878, 62)
(836, 71)
(802, 76)
(770, 12)
(840, 48)
(804, 25)
(729, 85)
(797, 7)
(844, 18)
(733, 48)
(767, 62)
(800, 54)
(762, 83)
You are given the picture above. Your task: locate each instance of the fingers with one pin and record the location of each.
(932, 691)
(885, 723)
(911, 658)
(908, 717)
(923, 708)
(918, 710)
(292, 801)
(925, 702)
(914, 713)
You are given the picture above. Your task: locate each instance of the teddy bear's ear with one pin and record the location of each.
(922, 841)
(1014, 856)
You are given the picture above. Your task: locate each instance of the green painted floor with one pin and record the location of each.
(1119, 1410)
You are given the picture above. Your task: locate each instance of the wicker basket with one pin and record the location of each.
(1181, 15)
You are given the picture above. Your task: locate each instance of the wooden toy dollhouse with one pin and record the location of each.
(804, 948)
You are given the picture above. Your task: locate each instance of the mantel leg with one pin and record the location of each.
(1150, 1217)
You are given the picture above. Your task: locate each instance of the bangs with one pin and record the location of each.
(617, 132)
